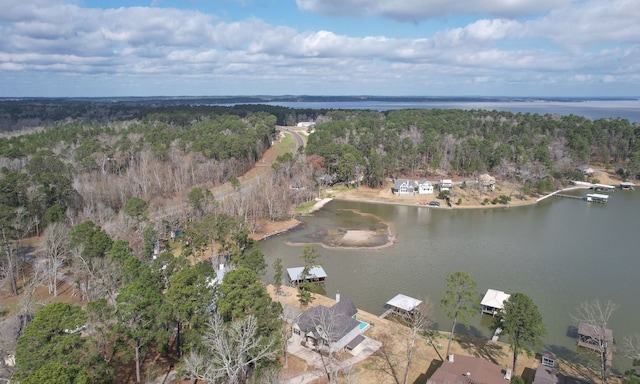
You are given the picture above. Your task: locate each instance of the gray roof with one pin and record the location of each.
(315, 272)
(336, 320)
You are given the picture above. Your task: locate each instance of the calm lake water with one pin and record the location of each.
(559, 252)
(593, 109)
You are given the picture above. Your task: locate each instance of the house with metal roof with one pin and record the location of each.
(316, 274)
(401, 305)
(493, 301)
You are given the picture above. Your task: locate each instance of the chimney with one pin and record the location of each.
(450, 358)
(337, 296)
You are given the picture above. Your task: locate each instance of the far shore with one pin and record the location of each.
(469, 200)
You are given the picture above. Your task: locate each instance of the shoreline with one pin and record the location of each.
(384, 196)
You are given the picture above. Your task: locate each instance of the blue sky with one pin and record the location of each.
(57, 48)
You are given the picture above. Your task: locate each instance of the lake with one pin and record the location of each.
(559, 252)
(593, 109)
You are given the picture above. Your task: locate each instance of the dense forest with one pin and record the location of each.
(530, 149)
(91, 193)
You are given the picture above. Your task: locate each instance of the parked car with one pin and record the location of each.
(434, 204)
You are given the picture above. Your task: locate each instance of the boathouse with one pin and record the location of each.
(493, 301)
(603, 188)
(595, 338)
(315, 275)
(597, 198)
(401, 305)
(627, 185)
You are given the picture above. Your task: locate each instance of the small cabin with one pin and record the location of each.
(315, 275)
(445, 185)
(493, 301)
(586, 170)
(548, 359)
(487, 182)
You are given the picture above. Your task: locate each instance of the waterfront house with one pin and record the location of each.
(546, 373)
(586, 170)
(329, 328)
(425, 187)
(459, 369)
(487, 182)
(404, 187)
(445, 185)
(316, 275)
(493, 301)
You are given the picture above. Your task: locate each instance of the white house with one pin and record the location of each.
(404, 187)
(445, 185)
(425, 187)
(493, 301)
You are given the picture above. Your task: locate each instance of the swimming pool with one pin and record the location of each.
(363, 325)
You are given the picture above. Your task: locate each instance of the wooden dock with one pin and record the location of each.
(570, 196)
(386, 313)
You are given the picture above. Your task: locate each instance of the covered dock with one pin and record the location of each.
(627, 185)
(401, 305)
(597, 198)
(315, 275)
(596, 339)
(603, 188)
(493, 301)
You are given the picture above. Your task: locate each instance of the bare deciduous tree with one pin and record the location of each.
(230, 350)
(595, 315)
(398, 363)
(56, 251)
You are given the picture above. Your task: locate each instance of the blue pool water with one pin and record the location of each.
(364, 325)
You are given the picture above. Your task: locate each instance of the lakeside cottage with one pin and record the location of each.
(425, 187)
(586, 170)
(487, 182)
(445, 185)
(546, 373)
(404, 187)
(329, 328)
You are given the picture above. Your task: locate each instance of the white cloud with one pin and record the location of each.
(417, 10)
(193, 48)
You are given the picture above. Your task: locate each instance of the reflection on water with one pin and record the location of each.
(559, 252)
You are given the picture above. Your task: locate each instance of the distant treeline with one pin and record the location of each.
(20, 114)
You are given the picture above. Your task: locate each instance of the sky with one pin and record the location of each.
(98, 48)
